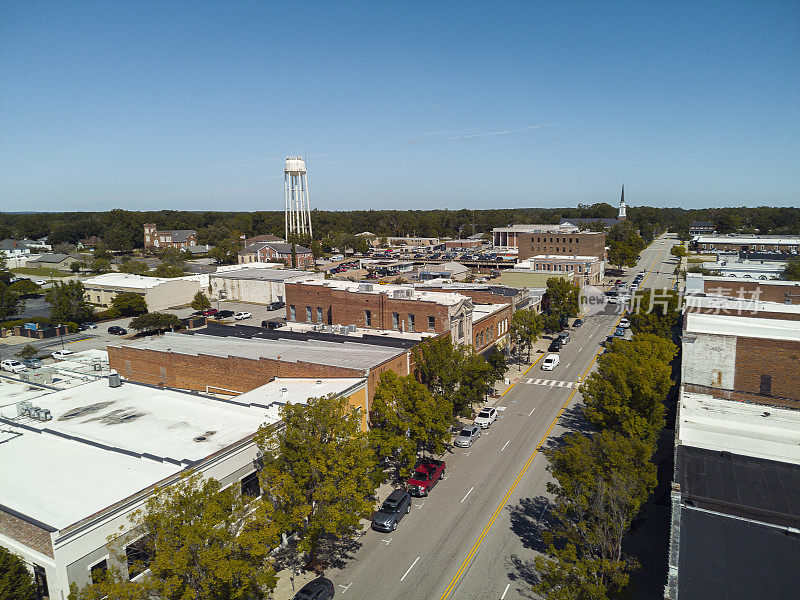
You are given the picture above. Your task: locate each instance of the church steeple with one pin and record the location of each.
(622, 207)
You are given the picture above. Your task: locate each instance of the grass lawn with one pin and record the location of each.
(40, 272)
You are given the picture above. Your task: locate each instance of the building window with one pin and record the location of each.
(765, 388)
(395, 320)
(368, 318)
(138, 556)
(411, 322)
(431, 322)
(250, 486)
(40, 581)
(319, 314)
(292, 315)
(98, 572)
(309, 318)
(461, 328)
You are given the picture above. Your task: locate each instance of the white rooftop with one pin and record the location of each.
(564, 257)
(443, 298)
(481, 311)
(358, 333)
(533, 228)
(126, 280)
(741, 306)
(349, 354)
(692, 277)
(750, 327)
(746, 239)
(263, 274)
(127, 437)
(749, 429)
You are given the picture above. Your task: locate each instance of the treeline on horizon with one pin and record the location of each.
(122, 229)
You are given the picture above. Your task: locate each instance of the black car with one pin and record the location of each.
(555, 345)
(275, 305)
(577, 323)
(393, 509)
(273, 324)
(223, 314)
(117, 330)
(319, 589)
(564, 337)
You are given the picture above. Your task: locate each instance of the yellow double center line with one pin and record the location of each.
(499, 509)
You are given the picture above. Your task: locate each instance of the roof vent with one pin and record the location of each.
(766, 414)
(319, 382)
(114, 380)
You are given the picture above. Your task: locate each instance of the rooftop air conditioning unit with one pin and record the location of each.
(24, 406)
(33, 412)
(364, 287)
(114, 380)
(44, 415)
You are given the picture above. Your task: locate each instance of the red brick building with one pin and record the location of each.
(277, 252)
(581, 243)
(490, 325)
(400, 308)
(155, 239)
(787, 292)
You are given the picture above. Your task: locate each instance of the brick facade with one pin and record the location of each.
(774, 359)
(26, 533)
(155, 238)
(579, 243)
(277, 252)
(760, 290)
(491, 330)
(231, 373)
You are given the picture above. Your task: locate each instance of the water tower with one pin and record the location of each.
(297, 211)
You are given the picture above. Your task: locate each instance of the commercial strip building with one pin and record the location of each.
(234, 365)
(411, 241)
(586, 270)
(787, 292)
(741, 307)
(158, 239)
(396, 307)
(490, 326)
(257, 284)
(741, 357)
(464, 243)
(528, 278)
(735, 500)
(737, 242)
(484, 293)
(158, 292)
(701, 228)
(746, 269)
(450, 270)
(299, 257)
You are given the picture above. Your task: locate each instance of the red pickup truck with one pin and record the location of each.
(426, 475)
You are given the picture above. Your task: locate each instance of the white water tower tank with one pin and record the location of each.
(295, 166)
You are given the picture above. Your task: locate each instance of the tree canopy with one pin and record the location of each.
(68, 303)
(16, 582)
(129, 304)
(791, 272)
(155, 321)
(200, 301)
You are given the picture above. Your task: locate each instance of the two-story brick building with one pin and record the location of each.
(401, 308)
(158, 239)
(580, 243)
(266, 252)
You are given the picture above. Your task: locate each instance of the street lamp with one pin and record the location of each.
(61, 332)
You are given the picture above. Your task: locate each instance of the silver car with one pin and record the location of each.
(467, 436)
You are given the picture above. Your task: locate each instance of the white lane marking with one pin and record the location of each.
(468, 493)
(466, 453)
(501, 408)
(419, 506)
(567, 365)
(529, 381)
(504, 446)
(347, 587)
(561, 383)
(538, 381)
(386, 541)
(409, 569)
(530, 413)
(505, 591)
(581, 348)
(553, 383)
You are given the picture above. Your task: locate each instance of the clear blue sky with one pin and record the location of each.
(194, 105)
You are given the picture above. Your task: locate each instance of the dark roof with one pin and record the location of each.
(753, 488)
(180, 235)
(701, 224)
(267, 237)
(587, 221)
(284, 248)
(734, 559)
(51, 258)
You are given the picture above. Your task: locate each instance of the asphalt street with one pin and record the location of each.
(475, 536)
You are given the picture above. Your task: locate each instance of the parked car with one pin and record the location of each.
(426, 475)
(555, 345)
(276, 305)
(62, 354)
(564, 337)
(242, 315)
(607, 342)
(319, 589)
(624, 323)
(40, 282)
(224, 314)
(393, 509)
(209, 312)
(117, 330)
(486, 417)
(12, 365)
(577, 323)
(619, 332)
(467, 436)
(550, 362)
(274, 324)
(32, 363)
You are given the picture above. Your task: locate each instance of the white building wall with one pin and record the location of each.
(172, 293)
(708, 360)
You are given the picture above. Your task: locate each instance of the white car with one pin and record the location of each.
(13, 365)
(624, 323)
(40, 281)
(62, 354)
(550, 362)
(242, 315)
(486, 417)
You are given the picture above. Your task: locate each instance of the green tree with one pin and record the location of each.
(201, 542)
(526, 327)
(622, 254)
(473, 385)
(27, 351)
(135, 267)
(407, 419)
(168, 270)
(226, 252)
(563, 575)
(791, 272)
(318, 472)
(68, 303)
(10, 302)
(200, 301)
(627, 392)
(101, 251)
(656, 312)
(24, 287)
(438, 365)
(16, 582)
(155, 321)
(678, 251)
(129, 304)
(562, 304)
(101, 265)
(75, 266)
(497, 363)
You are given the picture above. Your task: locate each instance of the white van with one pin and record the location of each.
(550, 362)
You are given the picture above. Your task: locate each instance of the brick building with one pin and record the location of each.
(277, 252)
(787, 292)
(482, 293)
(401, 308)
(490, 325)
(726, 353)
(509, 237)
(755, 243)
(581, 243)
(235, 365)
(168, 238)
(586, 270)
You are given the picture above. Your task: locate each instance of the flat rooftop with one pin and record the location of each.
(359, 333)
(125, 280)
(481, 311)
(350, 354)
(753, 430)
(533, 228)
(728, 280)
(750, 327)
(739, 306)
(128, 438)
(443, 298)
(747, 239)
(263, 274)
(563, 257)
